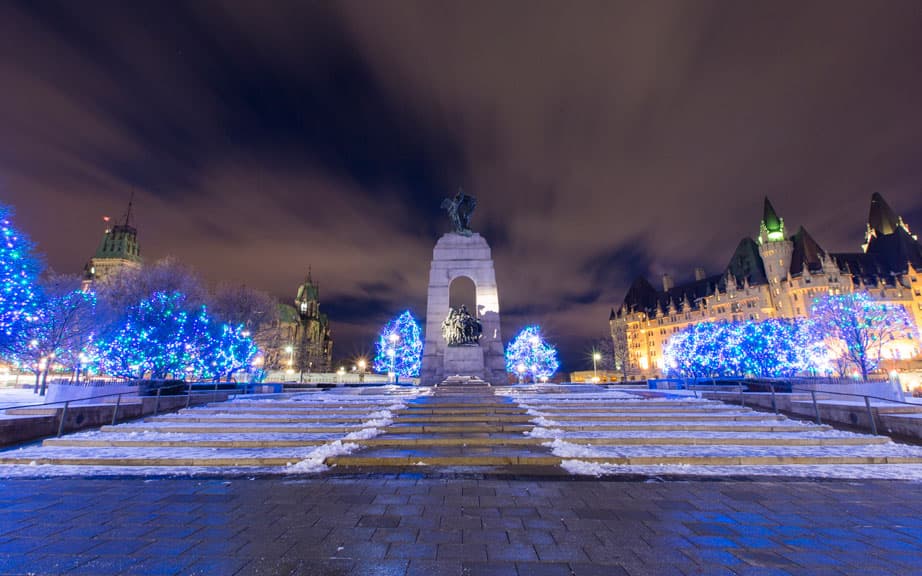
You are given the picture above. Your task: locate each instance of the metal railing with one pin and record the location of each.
(213, 394)
(813, 396)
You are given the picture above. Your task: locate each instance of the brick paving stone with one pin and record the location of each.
(489, 569)
(511, 552)
(206, 526)
(465, 552)
(395, 535)
(543, 569)
(434, 568)
(412, 551)
(597, 570)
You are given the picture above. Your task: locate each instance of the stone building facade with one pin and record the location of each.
(777, 275)
(306, 342)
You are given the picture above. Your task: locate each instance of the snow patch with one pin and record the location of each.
(316, 457)
(544, 422)
(566, 449)
(545, 432)
(583, 468)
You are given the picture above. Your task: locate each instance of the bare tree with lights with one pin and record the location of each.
(860, 326)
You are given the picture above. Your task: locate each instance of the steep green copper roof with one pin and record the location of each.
(287, 313)
(770, 217)
(308, 291)
(120, 242)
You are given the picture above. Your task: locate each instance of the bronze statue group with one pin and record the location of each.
(460, 328)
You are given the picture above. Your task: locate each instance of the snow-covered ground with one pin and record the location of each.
(375, 409)
(11, 397)
(564, 425)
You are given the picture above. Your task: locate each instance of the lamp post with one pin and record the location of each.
(392, 352)
(291, 359)
(362, 370)
(521, 370)
(595, 366)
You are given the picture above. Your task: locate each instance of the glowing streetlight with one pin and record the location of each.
(520, 368)
(595, 366)
(291, 357)
(392, 352)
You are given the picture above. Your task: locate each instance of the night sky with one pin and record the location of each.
(602, 139)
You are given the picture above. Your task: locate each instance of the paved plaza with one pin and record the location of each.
(429, 526)
(458, 480)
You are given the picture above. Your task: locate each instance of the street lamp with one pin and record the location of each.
(521, 370)
(362, 369)
(595, 366)
(392, 352)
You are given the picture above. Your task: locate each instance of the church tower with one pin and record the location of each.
(775, 247)
(119, 249)
(310, 339)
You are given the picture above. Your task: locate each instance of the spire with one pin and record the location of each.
(881, 218)
(772, 224)
(128, 212)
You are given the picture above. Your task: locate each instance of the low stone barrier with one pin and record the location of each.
(853, 413)
(27, 424)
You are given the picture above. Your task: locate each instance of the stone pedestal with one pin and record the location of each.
(463, 361)
(470, 256)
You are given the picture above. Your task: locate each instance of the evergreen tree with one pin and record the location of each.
(19, 270)
(400, 347)
(530, 355)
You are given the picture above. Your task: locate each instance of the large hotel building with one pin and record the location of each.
(775, 276)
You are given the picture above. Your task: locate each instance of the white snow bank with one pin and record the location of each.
(544, 422)
(315, 459)
(538, 432)
(844, 471)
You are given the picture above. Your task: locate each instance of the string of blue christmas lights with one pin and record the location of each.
(529, 355)
(399, 348)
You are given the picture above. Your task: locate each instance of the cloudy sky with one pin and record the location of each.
(602, 139)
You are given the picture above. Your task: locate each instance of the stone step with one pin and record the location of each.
(636, 409)
(235, 429)
(142, 462)
(254, 420)
(403, 428)
(418, 460)
(423, 441)
(495, 409)
(292, 411)
(693, 428)
(627, 404)
(404, 460)
(754, 416)
(95, 443)
(409, 418)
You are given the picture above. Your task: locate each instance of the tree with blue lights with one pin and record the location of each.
(860, 327)
(160, 338)
(769, 348)
(530, 355)
(399, 347)
(151, 338)
(19, 270)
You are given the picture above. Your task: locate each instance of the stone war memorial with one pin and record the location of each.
(461, 341)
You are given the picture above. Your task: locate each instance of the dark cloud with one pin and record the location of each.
(602, 139)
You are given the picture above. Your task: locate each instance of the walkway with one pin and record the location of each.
(403, 526)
